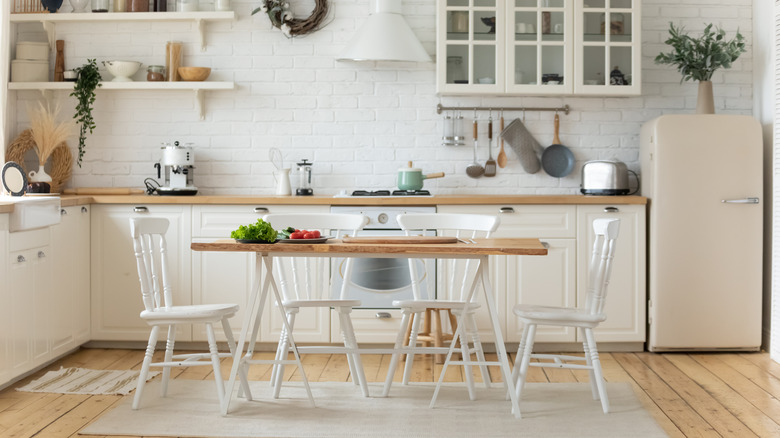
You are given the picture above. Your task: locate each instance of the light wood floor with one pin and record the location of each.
(730, 395)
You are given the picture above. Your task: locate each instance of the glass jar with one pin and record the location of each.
(160, 5)
(615, 24)
(120, 5)
(138, 5)
(173, 55)
(100, 5)
(187, 5)
(155, 73)
(222, 5)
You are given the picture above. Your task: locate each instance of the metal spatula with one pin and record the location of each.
(475, 170)
(490, 164)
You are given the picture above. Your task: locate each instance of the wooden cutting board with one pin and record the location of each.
(401, 239)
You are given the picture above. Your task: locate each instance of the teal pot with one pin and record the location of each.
(411, 178)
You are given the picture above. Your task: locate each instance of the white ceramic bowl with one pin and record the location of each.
(122, 70)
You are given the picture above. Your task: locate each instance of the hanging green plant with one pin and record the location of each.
(698, 58)
(87, 80)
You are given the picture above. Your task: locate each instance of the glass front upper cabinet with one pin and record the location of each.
(470, 46)
(607, 56)
(538, 47)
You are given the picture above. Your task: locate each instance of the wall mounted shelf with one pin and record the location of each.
(49, 21)
(198, 87)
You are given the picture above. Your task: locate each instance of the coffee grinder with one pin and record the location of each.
(178, 164)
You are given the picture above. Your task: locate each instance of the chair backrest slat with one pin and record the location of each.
(600, 268)
(457, 274)
(150, 250)
(308, 278)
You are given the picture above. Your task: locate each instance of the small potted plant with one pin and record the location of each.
(698, 58)
(87, 80)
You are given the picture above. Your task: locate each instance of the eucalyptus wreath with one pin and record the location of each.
(87, 79)
(282, 18)
(698, 58)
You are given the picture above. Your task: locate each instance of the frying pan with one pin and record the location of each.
(557, 159)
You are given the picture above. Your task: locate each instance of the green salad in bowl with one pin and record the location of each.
(261, 231)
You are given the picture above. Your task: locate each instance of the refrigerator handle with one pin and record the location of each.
(740, 201)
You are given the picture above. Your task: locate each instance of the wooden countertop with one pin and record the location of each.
(71, 200)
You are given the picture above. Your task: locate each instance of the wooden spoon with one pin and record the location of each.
(502, 155)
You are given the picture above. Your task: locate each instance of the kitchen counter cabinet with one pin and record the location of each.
(5, 310)
(227, 277)
(116, 294)
(71, 267)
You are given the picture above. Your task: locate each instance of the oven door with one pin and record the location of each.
(377, 282)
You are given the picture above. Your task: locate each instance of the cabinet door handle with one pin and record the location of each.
(383, 315)
(63, 212)
(84, 209)
(141, 210)
(740, 201)
(41, 254)
(506, 210)
(20, 259)
(261, 210)
(611, 210)
(546, 245)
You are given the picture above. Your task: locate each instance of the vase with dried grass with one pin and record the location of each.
(47, 133)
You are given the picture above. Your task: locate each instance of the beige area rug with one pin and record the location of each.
(549, 410)
(85, 381)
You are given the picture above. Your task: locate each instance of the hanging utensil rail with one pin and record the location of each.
(439, 108)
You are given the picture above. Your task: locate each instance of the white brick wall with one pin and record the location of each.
(357, 122)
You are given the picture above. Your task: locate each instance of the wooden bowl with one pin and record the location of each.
(194, 73)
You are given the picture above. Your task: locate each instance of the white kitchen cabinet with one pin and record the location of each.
(116, 294)
(538, 47)
(30, 305)
(70, 326)
(220, 277)
(626, 306)
(5, 310)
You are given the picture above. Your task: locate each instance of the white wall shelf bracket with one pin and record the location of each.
(51, 33)
(201, 25)
(199, 98)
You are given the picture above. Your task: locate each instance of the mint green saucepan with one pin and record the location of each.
(411, 178)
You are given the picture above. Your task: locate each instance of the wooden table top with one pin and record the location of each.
(506, 246)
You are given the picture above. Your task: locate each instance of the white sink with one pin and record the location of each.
(33, 212)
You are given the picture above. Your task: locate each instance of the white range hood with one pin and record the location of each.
(385, 36)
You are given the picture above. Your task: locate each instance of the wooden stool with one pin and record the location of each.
(431, 331)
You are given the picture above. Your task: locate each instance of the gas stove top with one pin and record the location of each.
(378, 193)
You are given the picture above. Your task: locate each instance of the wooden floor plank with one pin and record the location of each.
(80, 416)
(678, 410)
(745, 411)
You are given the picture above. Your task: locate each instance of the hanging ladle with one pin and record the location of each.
(475, 170)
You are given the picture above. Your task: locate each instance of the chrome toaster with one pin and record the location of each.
(603, 177)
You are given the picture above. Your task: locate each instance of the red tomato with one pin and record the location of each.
(308, 235)
(296, 235)
(316, 234)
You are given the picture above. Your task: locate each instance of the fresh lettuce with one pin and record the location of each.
(261, 230)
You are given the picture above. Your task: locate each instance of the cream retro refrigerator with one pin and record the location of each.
(703, 177)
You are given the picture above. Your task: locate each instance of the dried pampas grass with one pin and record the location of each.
(46, 131)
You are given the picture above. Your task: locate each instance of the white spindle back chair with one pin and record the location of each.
(150, 249)
(585, 318)
(456, 276)
(304, 282)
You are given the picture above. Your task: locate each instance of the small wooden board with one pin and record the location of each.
(401, 239)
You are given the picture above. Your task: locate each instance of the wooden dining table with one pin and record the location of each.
(479, 249)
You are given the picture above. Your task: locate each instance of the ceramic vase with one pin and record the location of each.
(704, 102)
(39, 176)
(79, 5)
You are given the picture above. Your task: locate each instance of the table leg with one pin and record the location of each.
(484, 272)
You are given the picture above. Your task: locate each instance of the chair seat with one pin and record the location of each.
(321, 303)
(421, 305)
(200, 312)
(557, 315)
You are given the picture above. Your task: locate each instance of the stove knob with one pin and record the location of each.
(382, 218)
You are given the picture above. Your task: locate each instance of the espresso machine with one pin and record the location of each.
(177, 164)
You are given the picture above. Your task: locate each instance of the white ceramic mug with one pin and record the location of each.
(529, 28)
(520, 28)
(558, 28)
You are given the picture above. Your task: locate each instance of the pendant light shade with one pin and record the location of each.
(385, 36)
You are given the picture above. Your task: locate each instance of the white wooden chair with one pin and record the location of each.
(150, 250)
(305, 283)
(458, 277)
(585, 318)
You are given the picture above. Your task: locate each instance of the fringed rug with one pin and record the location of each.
(548, 409)
(85, 381)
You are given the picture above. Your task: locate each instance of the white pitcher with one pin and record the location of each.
(282, 177)
(41, 175)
